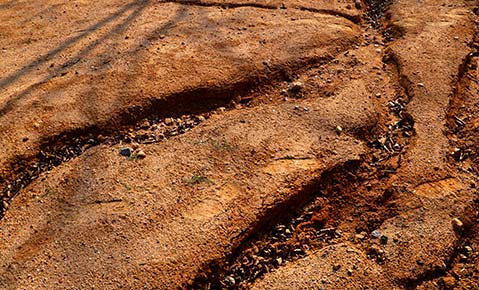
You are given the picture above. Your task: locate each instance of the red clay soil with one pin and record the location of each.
(247, 144)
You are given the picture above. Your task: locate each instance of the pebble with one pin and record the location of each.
(420, 84)
(376, 234)
(384, 240)
(339, 130)
(145, 124)
(457, 223)
(125, 151)
(140, 154)
(169, 121)
(295, 87)
(230, 280)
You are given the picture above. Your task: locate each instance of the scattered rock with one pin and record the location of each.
(339, 130)
(384, 240)
(126, 151)
(134, 145)
(169, 121)
(376, 234)
(140, 154)
(457, 223)
(145, 124)
(295, 87)
(230, 281)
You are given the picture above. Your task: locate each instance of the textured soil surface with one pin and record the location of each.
(250, 144)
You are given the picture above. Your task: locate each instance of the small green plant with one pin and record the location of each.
(196, 179)
(133, 156)
(222, 145)
(126, 186)
(48, 191)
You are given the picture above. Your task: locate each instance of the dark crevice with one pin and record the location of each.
(352, 18)
(226, 274)
(57, 149)
(395, 139)
(297, 214)
(376, 16)
(376, 8)
(225, 5)
(332, 12)
(282, 234)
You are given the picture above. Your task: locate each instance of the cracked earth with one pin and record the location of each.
(252, 144)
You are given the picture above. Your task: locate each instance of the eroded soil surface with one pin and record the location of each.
(251, 144)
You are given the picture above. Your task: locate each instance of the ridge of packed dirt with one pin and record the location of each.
(239, 144)
(132, 68)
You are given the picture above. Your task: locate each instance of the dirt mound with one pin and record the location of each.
(243, 144)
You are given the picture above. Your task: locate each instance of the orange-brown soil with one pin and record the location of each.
(250, 144)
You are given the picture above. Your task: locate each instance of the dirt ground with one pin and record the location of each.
(243, 144)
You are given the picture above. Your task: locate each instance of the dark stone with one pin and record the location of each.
(125, 151)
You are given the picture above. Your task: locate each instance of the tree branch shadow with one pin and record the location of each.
(137, 6)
